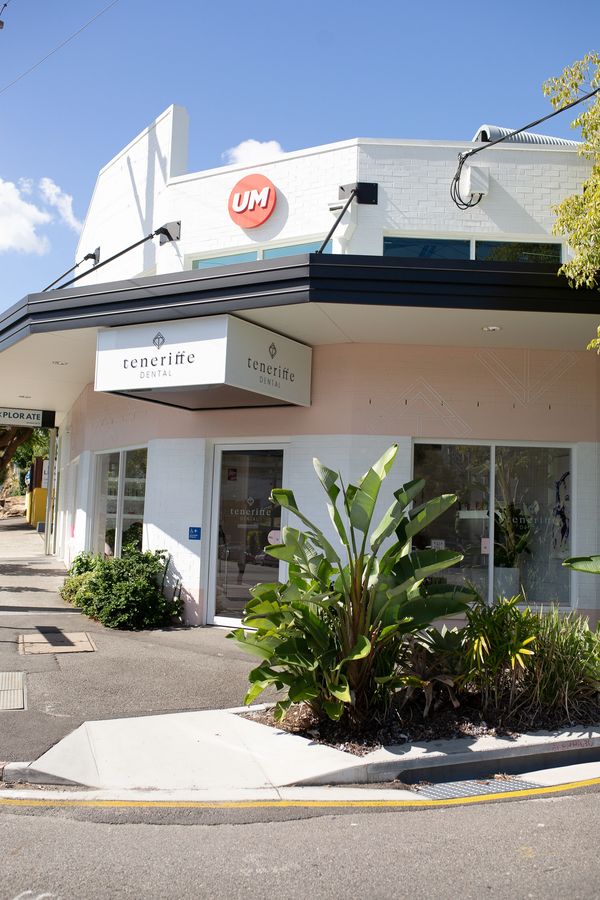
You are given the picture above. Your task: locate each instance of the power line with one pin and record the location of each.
(58, 47)
(462, 157)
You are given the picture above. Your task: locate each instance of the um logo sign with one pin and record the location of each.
(252, 201)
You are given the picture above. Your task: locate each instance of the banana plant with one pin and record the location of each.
(589, 564)
(331, 635)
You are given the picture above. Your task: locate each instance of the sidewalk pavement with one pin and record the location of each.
(86, 720)
(222, 754)
(129, 674)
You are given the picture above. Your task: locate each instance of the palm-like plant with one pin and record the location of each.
(331, 635)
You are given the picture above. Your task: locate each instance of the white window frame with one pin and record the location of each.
(122, 451)
(493, 445)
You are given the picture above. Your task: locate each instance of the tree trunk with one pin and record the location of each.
(11, 439)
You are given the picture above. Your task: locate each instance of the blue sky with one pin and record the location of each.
(297, 73)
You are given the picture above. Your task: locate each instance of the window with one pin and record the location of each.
(120, 495)
(518, 251)
(225, 260)
(426, 248)
(494, 251)
(523, 544)
(264, 253)
(294, 249)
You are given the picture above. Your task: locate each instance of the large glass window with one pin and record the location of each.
(523, 545)
(426, 248)
(120, 495)
(463, 470)
(532, 522)
(518, 251)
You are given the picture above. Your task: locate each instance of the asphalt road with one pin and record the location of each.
(130, 674)
(541, 848)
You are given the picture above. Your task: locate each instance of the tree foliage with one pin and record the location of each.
(578, 216)
(20, 445)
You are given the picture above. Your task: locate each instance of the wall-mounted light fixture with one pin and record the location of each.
(363, 191)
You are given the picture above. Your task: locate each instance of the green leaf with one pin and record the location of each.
(280, 709)
(303, 689)
(361, 649)
(285, 499)
(364, 500)
(589, 564)
(328, 479)
(426, 609)
(385, 462)
(334, 709)
(417, 566)
(254, 691)
(421, 516)
(341, 690)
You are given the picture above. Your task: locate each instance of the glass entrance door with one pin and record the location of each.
(247, 522)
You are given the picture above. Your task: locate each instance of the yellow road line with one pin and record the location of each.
(287, 804)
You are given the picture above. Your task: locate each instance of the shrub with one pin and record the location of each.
(121, 592)
(564, 674)
(499, 640)
(436, 664)
(331, 635)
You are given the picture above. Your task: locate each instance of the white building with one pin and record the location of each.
(229, 357)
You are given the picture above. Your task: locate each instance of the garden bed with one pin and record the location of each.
(409, 727)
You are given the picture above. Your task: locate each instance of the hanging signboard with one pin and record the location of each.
(205, 353)
(26, 418)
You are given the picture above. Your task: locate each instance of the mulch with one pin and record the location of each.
(404, 726)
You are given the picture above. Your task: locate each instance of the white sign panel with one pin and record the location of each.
(217, 350)
(31, 418)
(266, 363)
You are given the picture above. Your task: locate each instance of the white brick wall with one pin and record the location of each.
(174, 501)
(143, 187)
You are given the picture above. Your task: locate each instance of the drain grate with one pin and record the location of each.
(458, 789)
(12, 690)
(53, 640)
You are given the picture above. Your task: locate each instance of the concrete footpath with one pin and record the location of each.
(85, 719)
(127, 674)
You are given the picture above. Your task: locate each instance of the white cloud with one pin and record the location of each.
(251, 152)
(25, 185)
(55, 196)
(19, 220)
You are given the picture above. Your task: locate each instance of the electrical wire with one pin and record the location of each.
(58, 47)
(462, 157)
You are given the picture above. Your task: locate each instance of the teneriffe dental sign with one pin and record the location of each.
(212, 351)
(252, 201)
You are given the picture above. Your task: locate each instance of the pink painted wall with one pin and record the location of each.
(387, 389)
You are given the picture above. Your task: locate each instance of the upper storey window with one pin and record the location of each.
(518, 251)
(426, 248)
(494, 251)
(263, 253)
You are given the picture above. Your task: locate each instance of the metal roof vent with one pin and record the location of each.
(487, 133)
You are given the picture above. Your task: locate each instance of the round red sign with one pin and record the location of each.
(252, 201)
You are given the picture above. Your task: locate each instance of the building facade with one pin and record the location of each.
(192, 376)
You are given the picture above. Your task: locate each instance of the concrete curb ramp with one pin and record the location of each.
(219, 750)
